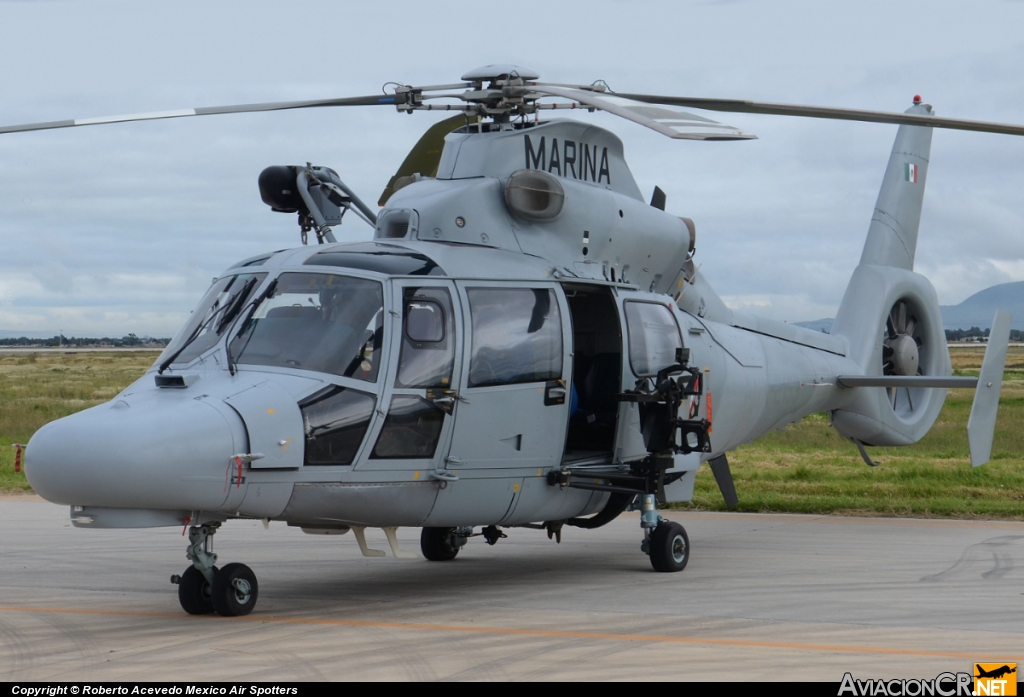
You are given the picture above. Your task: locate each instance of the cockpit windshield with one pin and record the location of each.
(218, 308)
(321, 322)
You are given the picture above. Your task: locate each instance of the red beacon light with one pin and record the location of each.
(917, 99)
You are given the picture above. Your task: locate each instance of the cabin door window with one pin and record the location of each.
(420, 399)
(514, 403)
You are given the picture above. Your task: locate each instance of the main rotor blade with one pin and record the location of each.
(372, 100)
(669, 122)
(817, 112)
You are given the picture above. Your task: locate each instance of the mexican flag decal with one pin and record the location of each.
(910, 172)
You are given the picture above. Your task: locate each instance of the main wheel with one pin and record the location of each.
(194, 592)
(436, 544)
(670, 547)
(234, 590)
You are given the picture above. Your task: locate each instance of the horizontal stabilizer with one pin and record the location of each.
(981, 425)
(906, 381)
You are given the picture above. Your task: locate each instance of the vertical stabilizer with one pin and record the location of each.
(889, 314)
(892, 237)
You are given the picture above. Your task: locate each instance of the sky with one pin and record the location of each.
(113, 229)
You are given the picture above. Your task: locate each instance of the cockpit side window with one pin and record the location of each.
(335, 421)
(321, 322)
(653, 337)
(517, 336)
(411, 430)
(223, 302)
(428, 339)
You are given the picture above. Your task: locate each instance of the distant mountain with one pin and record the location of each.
(976, 311)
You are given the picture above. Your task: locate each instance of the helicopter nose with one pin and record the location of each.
(158, 451)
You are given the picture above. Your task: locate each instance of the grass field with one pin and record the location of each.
(36, 388)
(807, 468)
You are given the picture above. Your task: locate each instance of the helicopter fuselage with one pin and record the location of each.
(434, 404)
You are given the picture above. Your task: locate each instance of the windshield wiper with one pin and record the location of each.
(252, 310)
(189, 340)
(234, 305)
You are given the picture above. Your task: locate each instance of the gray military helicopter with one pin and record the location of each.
(526, 342)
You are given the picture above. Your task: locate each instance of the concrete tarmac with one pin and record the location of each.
(765, 597)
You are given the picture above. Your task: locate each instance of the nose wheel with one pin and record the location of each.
(203, 588)
(234, 590)
(194, 592)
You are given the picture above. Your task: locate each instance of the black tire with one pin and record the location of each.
(195, 593)
(436, 544)
(670, 547)
(235, 590)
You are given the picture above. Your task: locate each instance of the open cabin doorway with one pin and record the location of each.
(596, 374)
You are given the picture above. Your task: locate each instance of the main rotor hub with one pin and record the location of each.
(498, 92)
(500, 72)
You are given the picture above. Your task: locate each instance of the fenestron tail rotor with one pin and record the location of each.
(901, 353)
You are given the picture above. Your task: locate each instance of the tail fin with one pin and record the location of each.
(892, 237)
(982, 424)
(889, 314)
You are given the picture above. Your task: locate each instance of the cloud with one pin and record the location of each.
(127, 224)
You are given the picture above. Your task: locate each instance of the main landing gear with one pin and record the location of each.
(665, 542)
(443, 544)
(203, 588)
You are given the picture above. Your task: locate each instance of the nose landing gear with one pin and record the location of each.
(203, 588)
(234, 590)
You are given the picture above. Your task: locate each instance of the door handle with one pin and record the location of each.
(554, 393)
(445, 401)
(445, 404)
